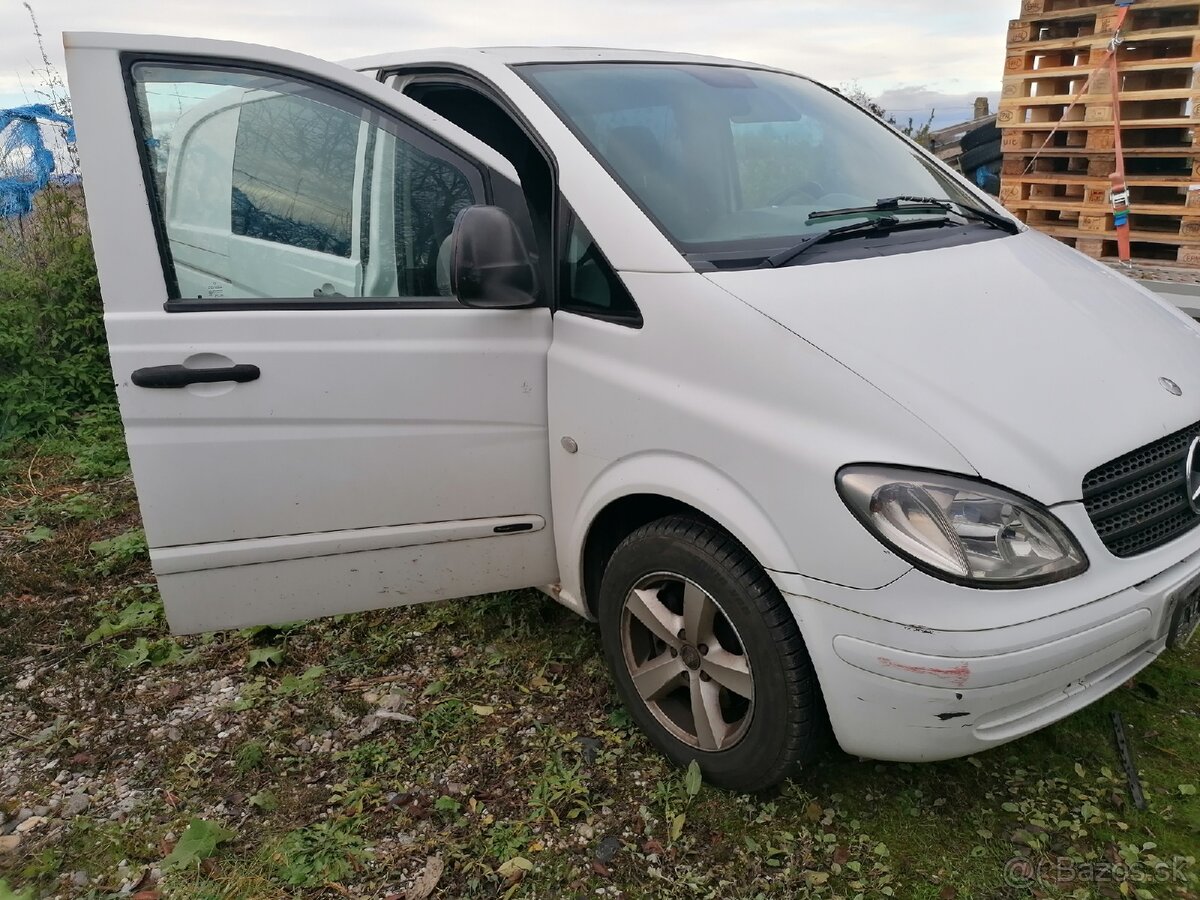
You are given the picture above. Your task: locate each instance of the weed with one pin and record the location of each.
(198, 842)
(252, 694)
(507, 839)
(121, 552)
(82, 507)
(355, 796)
(676, 793)
(249, 756)
(303, 685)
(97, 445)
(139, 614)
(37, 534)
(264, 656)
(11, 893)
(264, 800)
(438, 724)
(143, 652)
(560, 791)
(314, 856)
(370, 758)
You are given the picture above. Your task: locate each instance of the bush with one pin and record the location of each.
(53, 355)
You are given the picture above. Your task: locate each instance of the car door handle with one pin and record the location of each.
(182, 376)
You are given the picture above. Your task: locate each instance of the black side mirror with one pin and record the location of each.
(489, 265)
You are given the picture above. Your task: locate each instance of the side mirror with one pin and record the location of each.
(489, 265)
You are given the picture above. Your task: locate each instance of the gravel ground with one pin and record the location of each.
(475, 749)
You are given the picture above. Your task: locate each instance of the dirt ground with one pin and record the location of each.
(475, 749)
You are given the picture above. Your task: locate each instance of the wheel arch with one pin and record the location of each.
(639, 489)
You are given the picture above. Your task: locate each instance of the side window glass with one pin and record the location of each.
(429, 196)
(294, 163)
(267, 188)
(590, 285)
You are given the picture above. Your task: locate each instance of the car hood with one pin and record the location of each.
(1036, 363)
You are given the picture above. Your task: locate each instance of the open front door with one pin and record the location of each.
(315, 426)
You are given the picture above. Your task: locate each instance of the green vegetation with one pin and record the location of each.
(477, 745)
(198, 843)
(53, 358)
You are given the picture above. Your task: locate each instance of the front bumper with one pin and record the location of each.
(913, 694)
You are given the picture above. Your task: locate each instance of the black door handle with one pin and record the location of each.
(181, 376)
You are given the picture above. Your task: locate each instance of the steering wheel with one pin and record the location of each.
(806, 190)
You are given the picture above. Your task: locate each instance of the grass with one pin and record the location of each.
(499, 763)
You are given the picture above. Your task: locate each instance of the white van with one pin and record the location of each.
(817, 432)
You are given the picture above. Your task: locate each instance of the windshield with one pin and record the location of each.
(727, 158)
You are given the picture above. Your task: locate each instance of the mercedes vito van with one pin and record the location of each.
(822, 437)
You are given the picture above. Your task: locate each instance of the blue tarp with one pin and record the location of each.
(21, 139)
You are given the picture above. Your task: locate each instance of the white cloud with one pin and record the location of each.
(881, 44)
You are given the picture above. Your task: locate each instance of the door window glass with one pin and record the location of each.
(294, 162)
(268, 188)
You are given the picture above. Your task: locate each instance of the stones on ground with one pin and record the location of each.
(370, 724)
(9, 843)
(25, 683)
(590, 747)
(427, 881)
(80, 878)
(75, 805)
(393, 701)
(392, 716)
(608, 849)
(29, 824)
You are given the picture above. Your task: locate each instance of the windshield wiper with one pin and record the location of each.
(883, 225)
(923, 204)
(980, 212)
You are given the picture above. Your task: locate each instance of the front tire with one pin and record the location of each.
(707, 656)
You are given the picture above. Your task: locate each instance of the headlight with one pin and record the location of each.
(960, 529)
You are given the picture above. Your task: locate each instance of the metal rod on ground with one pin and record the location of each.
(1127, 763)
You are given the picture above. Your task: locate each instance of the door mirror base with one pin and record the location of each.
(490, 266)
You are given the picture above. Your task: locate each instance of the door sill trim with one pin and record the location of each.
(251, 551)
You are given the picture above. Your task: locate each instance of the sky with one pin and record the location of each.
(912, 55)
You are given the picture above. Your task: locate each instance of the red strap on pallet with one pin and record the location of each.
(1119, 192)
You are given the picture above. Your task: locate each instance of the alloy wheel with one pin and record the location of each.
(687, 661)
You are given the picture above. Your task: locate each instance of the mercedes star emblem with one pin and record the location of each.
(1193, 476)
(1171, 386)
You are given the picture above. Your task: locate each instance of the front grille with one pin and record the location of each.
(1139, 501)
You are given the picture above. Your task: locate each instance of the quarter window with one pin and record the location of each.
(268, 188)
(590, 285)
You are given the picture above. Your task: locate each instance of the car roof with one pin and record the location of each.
(517, 55)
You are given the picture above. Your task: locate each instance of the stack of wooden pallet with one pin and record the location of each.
(1052, 49)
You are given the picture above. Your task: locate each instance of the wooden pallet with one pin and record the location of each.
(1058, 156)
(1145, 252)
(1148, 193)
(1158, 225)
(1065, 9)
